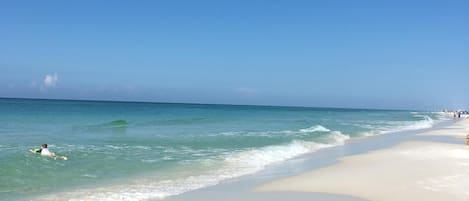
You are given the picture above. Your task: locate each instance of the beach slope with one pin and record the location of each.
(413, 170)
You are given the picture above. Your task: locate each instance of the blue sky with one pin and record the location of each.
(365, 54)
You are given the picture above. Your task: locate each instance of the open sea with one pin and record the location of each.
(139, 151)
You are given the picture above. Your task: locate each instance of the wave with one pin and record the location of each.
(425, 122)
(317, 128)
(251, 161)
(312, 129)
(230, 166)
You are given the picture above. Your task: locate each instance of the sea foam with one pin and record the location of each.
(233, 165)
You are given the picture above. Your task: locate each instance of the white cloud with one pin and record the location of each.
(51, 80)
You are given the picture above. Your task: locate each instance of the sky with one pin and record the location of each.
(353, 54)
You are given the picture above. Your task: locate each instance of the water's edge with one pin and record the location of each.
(243, 187)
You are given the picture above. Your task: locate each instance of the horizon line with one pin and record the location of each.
(195, 103)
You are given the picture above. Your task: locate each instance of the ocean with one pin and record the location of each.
(139, 151)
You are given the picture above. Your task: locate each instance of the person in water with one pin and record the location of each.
(44, 151)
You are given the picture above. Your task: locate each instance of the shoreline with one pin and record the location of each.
(244, 188)
(411, 170)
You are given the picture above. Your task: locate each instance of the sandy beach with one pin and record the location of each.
(457, 130)
(411, 170)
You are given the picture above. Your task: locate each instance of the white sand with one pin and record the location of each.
(458, 130)
(410, 171)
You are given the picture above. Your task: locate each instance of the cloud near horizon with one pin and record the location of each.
(51, 80)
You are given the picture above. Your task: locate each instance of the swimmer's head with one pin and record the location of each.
(44, 145)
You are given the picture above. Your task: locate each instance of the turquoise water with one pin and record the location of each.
(138, 151)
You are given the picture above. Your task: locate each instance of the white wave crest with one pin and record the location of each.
(427, 122)
(251, 161)
(316, 128)
(339, 138)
